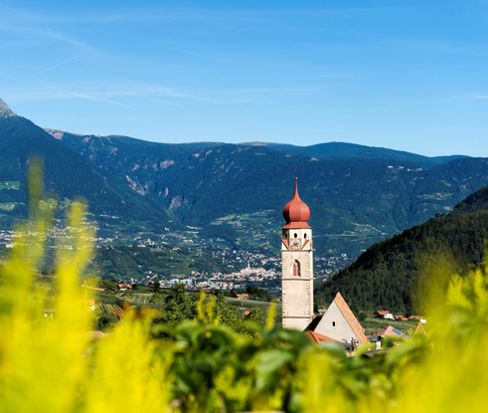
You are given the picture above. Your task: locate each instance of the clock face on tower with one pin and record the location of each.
(295, 244)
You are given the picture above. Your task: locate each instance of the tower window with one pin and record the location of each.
(295, 235)
(305, 236)
(296, 268)
(333, 323)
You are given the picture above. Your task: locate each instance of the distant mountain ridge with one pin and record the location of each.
(201, 182)
(343, 150)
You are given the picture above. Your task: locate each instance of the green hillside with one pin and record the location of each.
(387, 275)
(358, 195)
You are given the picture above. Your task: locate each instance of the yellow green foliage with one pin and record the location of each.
(49, 361)
(127, 375)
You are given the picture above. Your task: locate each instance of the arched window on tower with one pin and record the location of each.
(296, 268)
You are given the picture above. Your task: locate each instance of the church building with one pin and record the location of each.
(338, 323)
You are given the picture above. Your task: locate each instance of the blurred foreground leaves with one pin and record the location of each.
(51, 362)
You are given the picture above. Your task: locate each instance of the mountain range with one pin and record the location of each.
(232, 194)
(67, 174)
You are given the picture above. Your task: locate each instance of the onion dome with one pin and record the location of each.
(296, 212)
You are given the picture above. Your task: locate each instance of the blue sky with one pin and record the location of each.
(409, 75)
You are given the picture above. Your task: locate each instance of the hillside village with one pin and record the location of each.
(243, 267)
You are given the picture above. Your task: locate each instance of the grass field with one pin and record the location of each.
(372, 325)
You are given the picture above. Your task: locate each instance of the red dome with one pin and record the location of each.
(296, 212)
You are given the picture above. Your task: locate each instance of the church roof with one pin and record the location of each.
(350, 318)
(320, 338)
(296, 212)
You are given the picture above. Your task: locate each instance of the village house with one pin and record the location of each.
(124, 286)
(385, 314)
(388, 332)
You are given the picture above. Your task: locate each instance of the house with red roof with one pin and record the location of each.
(124, 286)
(390, 331)
(381, 313)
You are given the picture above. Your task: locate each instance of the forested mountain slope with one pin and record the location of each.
(387, 275)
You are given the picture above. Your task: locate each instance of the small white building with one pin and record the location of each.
(340, 323)
(385, 314)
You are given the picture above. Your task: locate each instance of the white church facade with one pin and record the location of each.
(338, 323)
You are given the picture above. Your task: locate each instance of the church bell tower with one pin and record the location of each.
(296, 264)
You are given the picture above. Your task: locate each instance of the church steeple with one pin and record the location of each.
(297, 264)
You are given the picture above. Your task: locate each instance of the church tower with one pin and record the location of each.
(297, 265)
